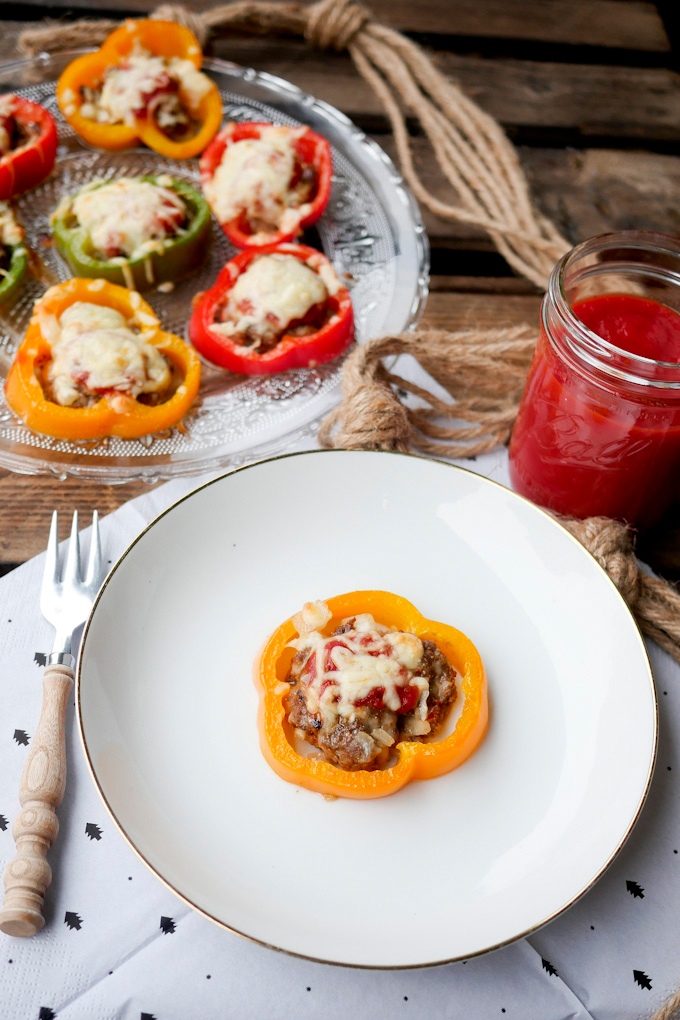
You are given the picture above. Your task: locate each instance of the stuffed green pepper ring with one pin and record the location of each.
(135, 231)
(13, 255)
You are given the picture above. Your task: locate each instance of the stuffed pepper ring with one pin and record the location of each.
(369, 683)
(94, 362)
(13, 254)
(134, 231)
(266, 183)
(28, 145)
(273, 309)
(143, 84)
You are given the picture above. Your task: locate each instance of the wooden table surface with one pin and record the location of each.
(588, 90)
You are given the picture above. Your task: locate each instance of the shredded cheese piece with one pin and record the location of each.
(94, 350)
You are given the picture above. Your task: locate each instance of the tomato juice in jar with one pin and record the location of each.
(598, 429)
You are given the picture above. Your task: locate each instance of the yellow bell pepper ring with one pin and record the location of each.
(114, 414)
(416, 760)
(165, 39)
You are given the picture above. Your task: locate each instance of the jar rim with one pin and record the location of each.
(597, 351)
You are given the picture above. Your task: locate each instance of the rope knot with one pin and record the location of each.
(333, 24)
(185, 17)
(611, 545)
(370, 417)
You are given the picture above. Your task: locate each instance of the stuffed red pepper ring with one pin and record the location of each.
(273, 309)
(266, 183)
(28, 145)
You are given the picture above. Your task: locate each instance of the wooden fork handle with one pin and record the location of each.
(35, 828)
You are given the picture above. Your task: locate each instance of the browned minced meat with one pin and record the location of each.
(350, 744)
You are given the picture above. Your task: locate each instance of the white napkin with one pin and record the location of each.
(117, 944)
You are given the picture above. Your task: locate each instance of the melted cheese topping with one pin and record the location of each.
(128, 87)
(128, 216)
(96, 351)
(11, 233)
(343, 670)
(274, 291)
(254, 178)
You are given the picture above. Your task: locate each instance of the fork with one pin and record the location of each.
(65, 604)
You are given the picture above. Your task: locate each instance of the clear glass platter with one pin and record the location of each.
(371, 231)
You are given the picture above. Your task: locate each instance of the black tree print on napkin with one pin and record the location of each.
(40, 658)
(547, 966)
(46, 1013)
(21, 737)
(146, 1016)
(168, 926)
(72, 920)
(93, 831)
(635, 890)
(641, 979)
(3, 823)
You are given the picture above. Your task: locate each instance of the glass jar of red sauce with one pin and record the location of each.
(598, 429)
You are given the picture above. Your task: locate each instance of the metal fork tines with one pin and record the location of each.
(65, 602)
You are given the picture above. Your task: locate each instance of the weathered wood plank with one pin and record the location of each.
(635, 25)
(598, 190)
(27, 502)
(590, 100)
(585, 192)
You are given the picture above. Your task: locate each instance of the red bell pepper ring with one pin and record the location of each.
(311, 150)
(291, 351)
(25, 166)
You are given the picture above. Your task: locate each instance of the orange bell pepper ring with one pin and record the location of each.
(114, 414)
(164, 39)
(416, 760)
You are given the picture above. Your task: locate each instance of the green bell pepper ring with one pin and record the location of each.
(13, 277)
(176, 257)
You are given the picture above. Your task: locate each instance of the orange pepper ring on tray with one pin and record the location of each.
(416, 760)
(161, 39)
(116, 415)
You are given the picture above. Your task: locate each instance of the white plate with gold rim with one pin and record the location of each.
(443, 869)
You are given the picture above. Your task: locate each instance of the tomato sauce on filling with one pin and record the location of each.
(358, 692)
(586, 447)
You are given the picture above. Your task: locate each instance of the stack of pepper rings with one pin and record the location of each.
(144, 86)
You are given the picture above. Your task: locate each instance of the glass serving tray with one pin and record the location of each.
(371, 231)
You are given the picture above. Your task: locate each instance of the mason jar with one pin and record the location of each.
(598, 429)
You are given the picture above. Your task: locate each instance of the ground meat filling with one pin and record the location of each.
(365, 738)
(14, 135)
